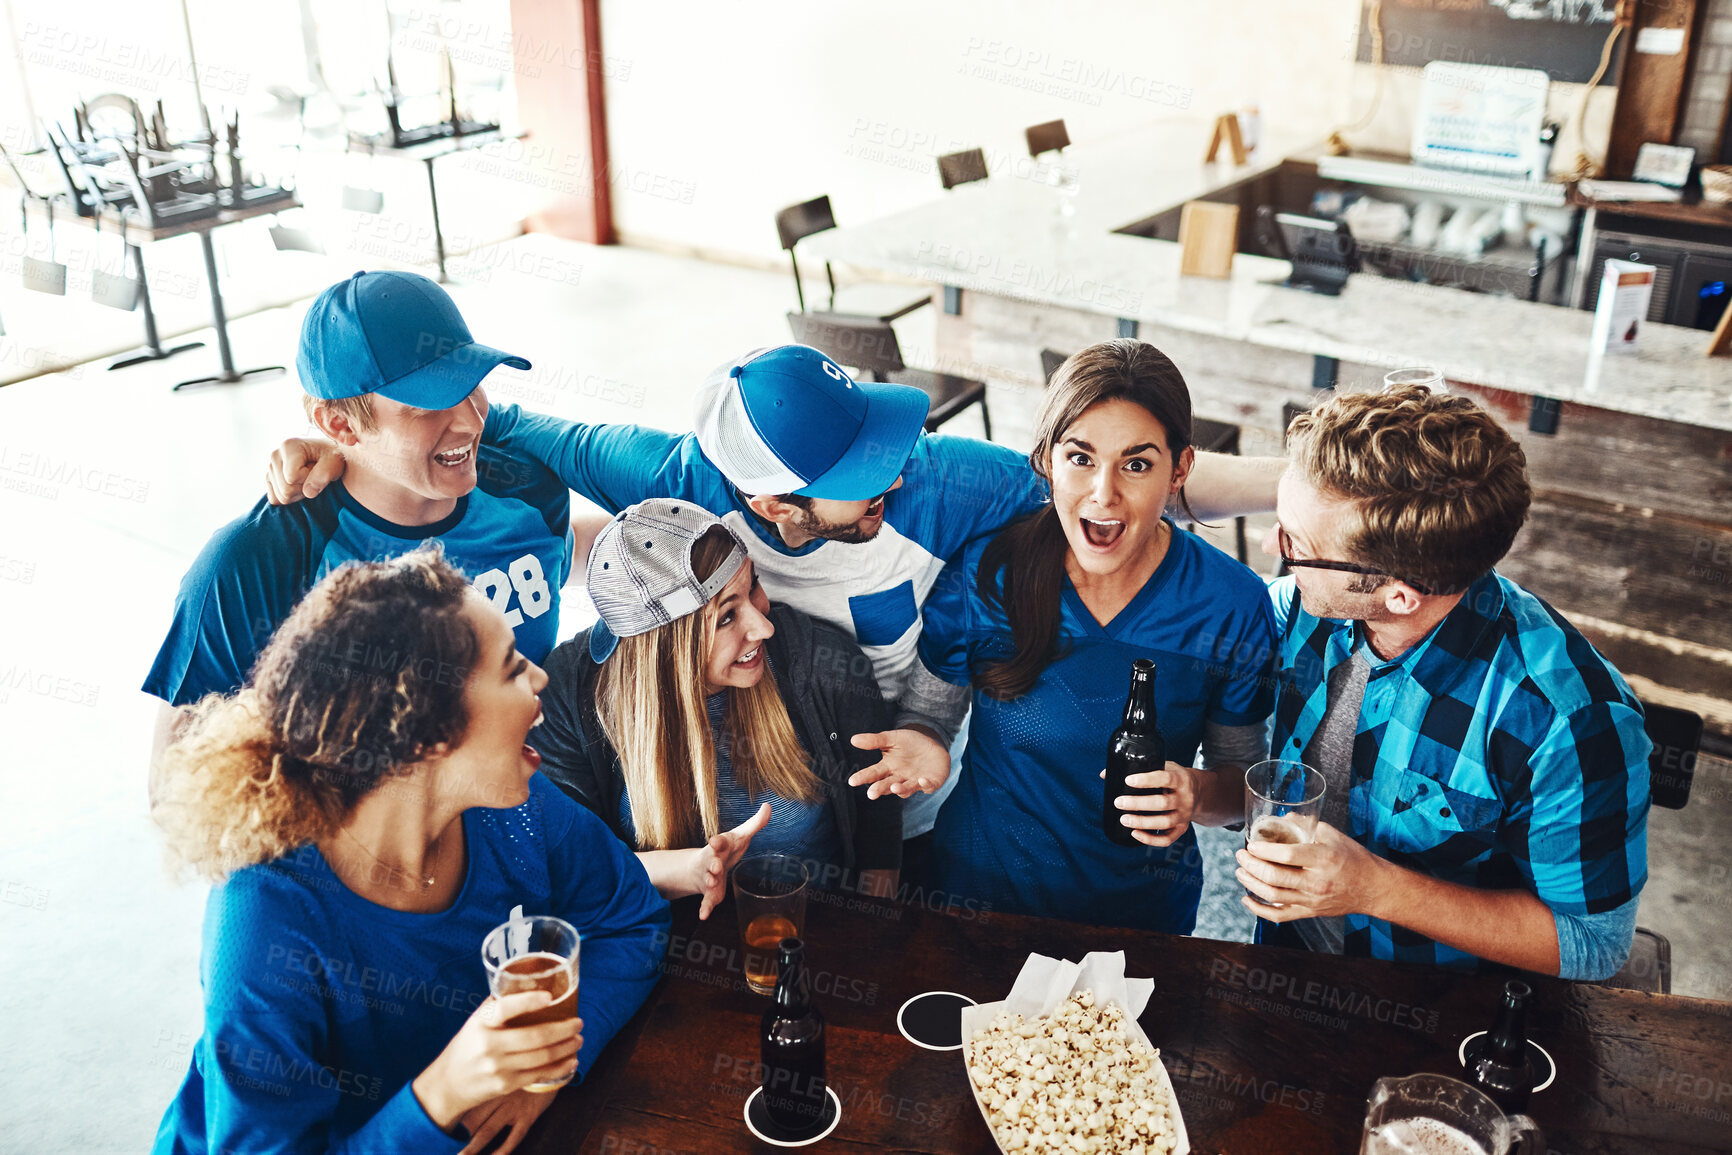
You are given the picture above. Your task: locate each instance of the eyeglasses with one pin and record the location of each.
(1292, 562)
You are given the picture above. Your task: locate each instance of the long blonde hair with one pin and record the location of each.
(360, 682)
(649, 696)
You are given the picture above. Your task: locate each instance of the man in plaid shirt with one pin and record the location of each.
(1487, 769)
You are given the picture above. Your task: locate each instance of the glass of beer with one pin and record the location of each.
(1282, 801)
(538, 953)
(1437, 1115)
(770, 892)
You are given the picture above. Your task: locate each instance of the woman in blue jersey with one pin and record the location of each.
(697, 720)
(369, 805)
(1039, 625)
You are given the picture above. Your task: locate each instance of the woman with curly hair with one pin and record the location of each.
(369, 808)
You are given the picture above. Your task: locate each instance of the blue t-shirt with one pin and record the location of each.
(321, 1007)
(1022, 831)
(511, 535)
(954, 489)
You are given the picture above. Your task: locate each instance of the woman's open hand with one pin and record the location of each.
(518, 1111)
(717, 858)
(913, 761)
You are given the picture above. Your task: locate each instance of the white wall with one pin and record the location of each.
(720, 112)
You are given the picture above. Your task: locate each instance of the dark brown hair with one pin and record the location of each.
(1438, 488)
(364, 678)
(1030, 551)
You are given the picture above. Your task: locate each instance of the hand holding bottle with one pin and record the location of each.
(1159, 819)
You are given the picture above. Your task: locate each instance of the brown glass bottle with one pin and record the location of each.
(792, 1045)
(1498, 1063)
(1137, 746)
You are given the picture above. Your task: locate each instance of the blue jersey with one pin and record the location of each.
(321, 1007)
(1022, 831)
(511, 535)
(954, 489)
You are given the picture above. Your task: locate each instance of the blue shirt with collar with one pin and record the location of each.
(1501, 752)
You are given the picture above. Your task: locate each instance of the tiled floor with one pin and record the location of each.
(109, 484)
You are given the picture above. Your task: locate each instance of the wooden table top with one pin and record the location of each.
(1270, 1050)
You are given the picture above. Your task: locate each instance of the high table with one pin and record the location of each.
(1270, 1050)
(125, 224)
(428, 151)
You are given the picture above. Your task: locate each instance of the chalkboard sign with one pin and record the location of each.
(1563, 37)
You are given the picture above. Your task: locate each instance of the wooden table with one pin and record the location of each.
(1272, 1052)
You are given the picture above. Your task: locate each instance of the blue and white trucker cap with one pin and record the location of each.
(640, 570)
(787, 419)
(395, 334)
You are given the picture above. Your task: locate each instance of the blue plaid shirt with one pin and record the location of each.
(1502, 752)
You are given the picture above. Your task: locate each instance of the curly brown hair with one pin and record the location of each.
(360, 682)
(1438, 488)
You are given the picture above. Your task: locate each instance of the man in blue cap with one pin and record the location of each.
(392, 377)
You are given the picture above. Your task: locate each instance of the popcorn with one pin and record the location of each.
(1071, 1081)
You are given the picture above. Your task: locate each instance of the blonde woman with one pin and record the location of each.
(369, 808)
(698, 721)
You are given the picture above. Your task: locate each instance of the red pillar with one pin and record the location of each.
(561, 103)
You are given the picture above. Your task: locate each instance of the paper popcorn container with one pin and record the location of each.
(1045, 983)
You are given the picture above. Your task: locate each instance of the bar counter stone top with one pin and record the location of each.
(1012, 236)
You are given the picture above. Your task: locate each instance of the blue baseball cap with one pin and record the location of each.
(395, 334)
(789, 420)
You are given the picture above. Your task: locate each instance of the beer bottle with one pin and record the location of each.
(793, 1045)
(1498, 1063)
(1137, 746)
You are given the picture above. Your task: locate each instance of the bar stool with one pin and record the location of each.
(797, 222)
(1677, 738)
(956, 168)
(1212, 436)
(869, 345)
(1046, 137)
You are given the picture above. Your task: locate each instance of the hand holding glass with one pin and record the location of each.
(1282, 802)
(534, 954)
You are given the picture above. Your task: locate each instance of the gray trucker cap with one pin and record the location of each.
(640, 570)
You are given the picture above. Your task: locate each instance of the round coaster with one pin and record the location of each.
(933, 1020)
(1538, 1057)
(759, 1123)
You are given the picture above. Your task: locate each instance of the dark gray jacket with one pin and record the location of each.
(831, 695)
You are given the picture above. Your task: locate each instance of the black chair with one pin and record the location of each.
(1213, 436)
(797, 222)
(1677, 738)
(956, 168)
(1046, 137)
(869, 345)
